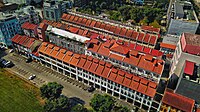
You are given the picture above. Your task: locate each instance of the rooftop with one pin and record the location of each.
(116, 30)
(102, 69)
(189, 89)
(178, 101)
(114, 50)
(171, 39)
(29, 26)
(190, 43)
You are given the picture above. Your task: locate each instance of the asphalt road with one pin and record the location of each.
(72, 88)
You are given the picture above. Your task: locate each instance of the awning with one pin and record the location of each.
(189, 67)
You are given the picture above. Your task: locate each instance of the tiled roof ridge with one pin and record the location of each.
(94, 71)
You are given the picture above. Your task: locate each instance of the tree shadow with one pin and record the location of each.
(75, 100)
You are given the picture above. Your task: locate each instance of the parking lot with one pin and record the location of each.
(72, 88)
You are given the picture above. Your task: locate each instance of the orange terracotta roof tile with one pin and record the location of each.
(93, 23)
(146, 38)
(112, 76)
(133, 60)
(145, 64)
(150, 92)
(129, 76)
(67, 57)
(88, 22)
(81, 63)
(119, 79)
(61, 54)
(76, 19)
(140, 37)
(97, 25)
(129, 33)
(120, 49)
(107, 27)
(79, 20)
(134, 35)
(147, 50)
(102, 25)
(99, 70)
(134, 53)
(144, 81)
(75, 59)
(106, 72)
(112, 29)
(55, 51)
(93, 67)
(67, 17)
(84, 21)
(64, 16)
(126, 82)
(123, 31)
(87, 64)
(178, 101)
(152, 85)
(118, 30)
(117, 57)
(153, 40)
(121, 73)
(134, 85)
(142, 88)
(169, 46)
(71, 18)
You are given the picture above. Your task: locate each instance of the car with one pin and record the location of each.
(28, 60)
(91, 89)
(32, 77)
(9, 64)
(10, 51)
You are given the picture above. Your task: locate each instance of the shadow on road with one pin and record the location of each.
(2, 53)
(76, 100)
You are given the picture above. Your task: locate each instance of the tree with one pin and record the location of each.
(60, 104)
(51, 90)
(79, 108)
(102, 103)
(121, 109)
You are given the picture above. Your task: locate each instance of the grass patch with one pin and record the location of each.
(17, 95)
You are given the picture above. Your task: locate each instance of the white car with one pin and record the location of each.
(11, 51)
(32, 77)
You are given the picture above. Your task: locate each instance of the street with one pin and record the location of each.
(72, 88)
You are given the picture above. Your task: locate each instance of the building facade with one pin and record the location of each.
(182, 18)
(27, 2)
(9, 27)
(102, 75)
(52, 10)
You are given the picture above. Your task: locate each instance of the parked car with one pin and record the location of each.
(4, 63)
(28, 60)
(32, 77)
(9, 64)
(10, 51)
(91, 89)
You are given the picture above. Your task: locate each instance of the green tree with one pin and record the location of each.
(102, 103)
(121, 109)
(51, 90)
(60, 104)
(79, 108)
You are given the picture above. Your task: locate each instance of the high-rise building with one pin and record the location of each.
(53, 9)
(27, 2)
(182, 18)
(9, 26)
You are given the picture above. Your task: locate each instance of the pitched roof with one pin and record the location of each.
(178, 101)
(119, 49)
(29, 26)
